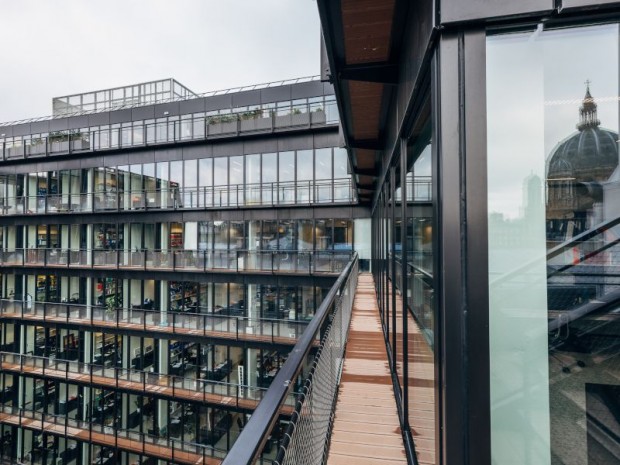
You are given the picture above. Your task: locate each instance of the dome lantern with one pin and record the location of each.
(587, 113)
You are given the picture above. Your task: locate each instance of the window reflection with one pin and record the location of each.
(554, 194)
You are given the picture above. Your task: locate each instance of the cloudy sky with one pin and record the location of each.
(60, 47)
(536, 83)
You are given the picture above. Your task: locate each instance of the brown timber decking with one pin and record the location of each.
(366, 428)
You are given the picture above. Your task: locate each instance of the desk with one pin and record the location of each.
(175, 368)
(220, 371)
(175, 426)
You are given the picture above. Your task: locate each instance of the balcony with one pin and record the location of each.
(323, 262)
(142, 134)
(151, 446)
(140, 382)
(320, 192)
(194, 326)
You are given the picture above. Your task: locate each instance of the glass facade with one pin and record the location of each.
(123, 319)
(553, 214)
(263, 118)
(234, 181)
(404, 228)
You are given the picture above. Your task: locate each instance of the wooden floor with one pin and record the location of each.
(366, 428)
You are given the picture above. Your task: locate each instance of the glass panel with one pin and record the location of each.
(305, 235)
(323, 174)
(220, 180)
(342, 191)
(252, 179)
(165, 196)
(236, 180)
(270, 176)
(190, 191)
(305, 169)
(553, 197)
(421, 304)
(176, 184)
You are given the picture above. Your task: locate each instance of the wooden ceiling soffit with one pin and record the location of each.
(365, 159)
(366, 144)
(372, 174)
(365, 103)
(367, 27)
(384, 73)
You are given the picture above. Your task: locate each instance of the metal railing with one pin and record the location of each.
(273, 261)
(139, 443)
(178, 387)
(144, 134)
(211, 93)
(198, 325)
(306, 438)
(189, 198)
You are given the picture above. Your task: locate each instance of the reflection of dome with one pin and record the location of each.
(590, 154)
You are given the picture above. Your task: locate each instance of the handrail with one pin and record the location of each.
(178, 450)
(311, 262)
(252, 439)
(133, 380)
(565, 246)
(589, 234)
(211, 93)
(233, 115)
(190, 325)
(188, 198)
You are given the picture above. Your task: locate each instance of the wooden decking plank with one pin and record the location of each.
(366, 427)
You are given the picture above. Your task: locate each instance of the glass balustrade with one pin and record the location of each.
(156, 321)
(171, 131)
(289, 261)
(178, 387)
(270, 194)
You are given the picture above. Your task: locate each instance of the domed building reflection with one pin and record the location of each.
(577, 169)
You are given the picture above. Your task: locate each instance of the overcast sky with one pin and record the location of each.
(536, 83)
(60, 47)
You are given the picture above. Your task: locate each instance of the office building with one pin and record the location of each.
(162, 250)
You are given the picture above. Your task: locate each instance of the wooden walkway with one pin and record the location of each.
(366, 428)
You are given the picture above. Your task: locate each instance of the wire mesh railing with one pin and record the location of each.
(307, 436)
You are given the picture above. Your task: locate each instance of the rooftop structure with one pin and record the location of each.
(145, 93)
